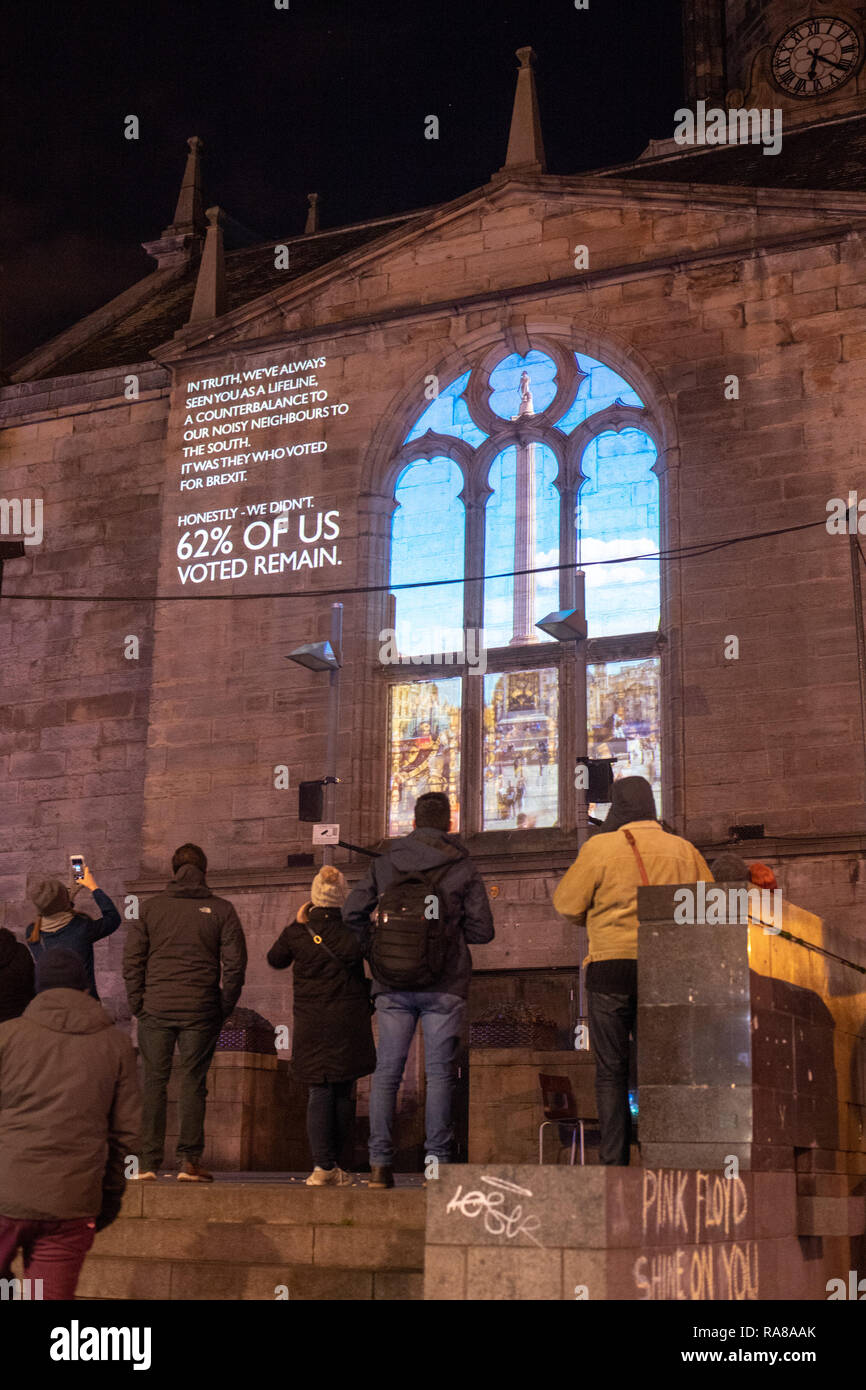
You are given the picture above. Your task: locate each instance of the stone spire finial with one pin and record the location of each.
(182, 239)
(525, 144)
(210, 289)
(189, 215)
(312, 224)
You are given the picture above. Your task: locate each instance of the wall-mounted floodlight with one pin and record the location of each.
(316, 656)
(567, 625)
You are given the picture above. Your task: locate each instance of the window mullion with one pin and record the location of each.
(473, 686)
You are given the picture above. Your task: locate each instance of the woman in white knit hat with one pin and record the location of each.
(332, 1040)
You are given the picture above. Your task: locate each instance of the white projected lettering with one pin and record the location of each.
(247, 433)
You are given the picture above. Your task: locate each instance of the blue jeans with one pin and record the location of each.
(442, 1023)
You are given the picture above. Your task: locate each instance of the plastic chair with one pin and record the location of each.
(560, 1108)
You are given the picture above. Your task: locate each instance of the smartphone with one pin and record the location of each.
(77, 862)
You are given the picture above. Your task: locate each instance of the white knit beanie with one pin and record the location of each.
(330, 888)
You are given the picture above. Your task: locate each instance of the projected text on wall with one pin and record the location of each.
(246, 435)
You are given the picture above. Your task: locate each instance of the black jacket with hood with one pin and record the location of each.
(332, 1039)
(69, 1110)
(16, 976)
(469, 921)
(176, 949)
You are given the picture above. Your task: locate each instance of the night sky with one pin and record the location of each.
(328, 95)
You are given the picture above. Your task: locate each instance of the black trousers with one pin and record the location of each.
(330, 1122)
(196, 1044)
(612, 1018)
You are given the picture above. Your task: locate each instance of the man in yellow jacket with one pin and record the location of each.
(631, 848)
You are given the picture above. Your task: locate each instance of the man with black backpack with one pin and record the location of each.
(432, 905)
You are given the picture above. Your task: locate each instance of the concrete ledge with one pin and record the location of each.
(519, 1232)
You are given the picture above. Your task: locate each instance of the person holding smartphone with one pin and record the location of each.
(58, 923)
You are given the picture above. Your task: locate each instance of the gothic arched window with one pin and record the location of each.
(517, 476)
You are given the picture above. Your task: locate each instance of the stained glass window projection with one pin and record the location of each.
(506, 394)
(449, 414)
(601, 388)
(522, 533)
(425, 748)
(427, 544)
(521, 750)
(623, 720)
(618, 515)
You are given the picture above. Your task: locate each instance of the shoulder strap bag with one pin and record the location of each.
(643, 873)
(319, 941)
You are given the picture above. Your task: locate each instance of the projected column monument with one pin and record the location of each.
(523, 628)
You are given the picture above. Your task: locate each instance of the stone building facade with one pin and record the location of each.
(699, 269)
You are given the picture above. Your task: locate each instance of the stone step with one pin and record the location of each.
(260, 1240)
(341, 1243)
(108, 1277)
(280, 1203)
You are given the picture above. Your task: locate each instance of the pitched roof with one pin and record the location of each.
(828, 155)
(130, 327)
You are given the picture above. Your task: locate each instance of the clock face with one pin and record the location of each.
(816, 56)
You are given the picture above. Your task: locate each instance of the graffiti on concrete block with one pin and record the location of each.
(695, 1206)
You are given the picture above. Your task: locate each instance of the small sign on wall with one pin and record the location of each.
(326, 834)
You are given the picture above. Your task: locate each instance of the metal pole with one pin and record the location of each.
(858, 628)
(333, 725)
(580, 691)
(582, 751)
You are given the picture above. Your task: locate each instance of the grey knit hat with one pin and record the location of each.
(48, 895)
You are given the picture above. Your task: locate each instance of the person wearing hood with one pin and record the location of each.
(465, 916)
(69, 1116)
(183, 967)
(59, 925)
(629, 849)
(332, 1040)
(16, 976)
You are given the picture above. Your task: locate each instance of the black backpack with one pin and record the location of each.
(408, 943)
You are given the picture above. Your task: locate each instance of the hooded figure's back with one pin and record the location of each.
(67, 1083)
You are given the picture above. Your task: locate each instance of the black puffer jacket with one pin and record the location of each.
(175, 951)
(16, 976)
(332, 1039)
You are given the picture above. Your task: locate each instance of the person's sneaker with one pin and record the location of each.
(142, 1177)
(193, 1172)
(327, 1177)
(381, 1176)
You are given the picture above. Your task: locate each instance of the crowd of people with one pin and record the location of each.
(75, 1125)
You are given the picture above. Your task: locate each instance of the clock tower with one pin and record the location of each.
(805, 57)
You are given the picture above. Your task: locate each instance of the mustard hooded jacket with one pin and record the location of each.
(602, 883)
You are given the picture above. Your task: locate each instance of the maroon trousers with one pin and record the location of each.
(53, 1252)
